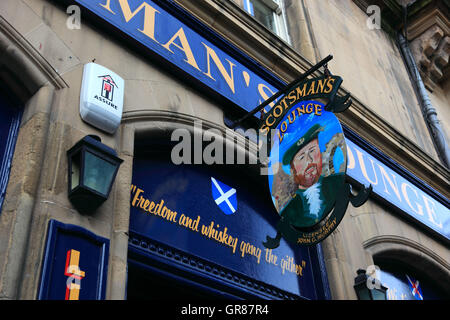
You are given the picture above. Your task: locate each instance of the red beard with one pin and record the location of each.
(309, 176)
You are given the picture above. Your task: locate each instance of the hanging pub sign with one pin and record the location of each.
(308, 162)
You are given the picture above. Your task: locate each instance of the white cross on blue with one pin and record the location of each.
(224, 196)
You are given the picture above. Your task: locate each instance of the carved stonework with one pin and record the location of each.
(431, 51)
(429, 36)
(428, 27)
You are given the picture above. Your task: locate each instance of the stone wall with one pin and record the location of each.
(429, 36)
(371, 65)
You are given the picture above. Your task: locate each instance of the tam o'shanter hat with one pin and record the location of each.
(311, 134)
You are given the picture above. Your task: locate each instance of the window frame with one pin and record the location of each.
(279, 16)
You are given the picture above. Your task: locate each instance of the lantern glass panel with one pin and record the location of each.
(363, 293)
(98, 173)
(378, 295)
(75, 170)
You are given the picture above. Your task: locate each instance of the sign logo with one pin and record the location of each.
(308, 161)
(72, 270)
(224, 196)
(101, 97)
(108, 85)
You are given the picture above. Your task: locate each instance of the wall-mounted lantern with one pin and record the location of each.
(376, 292)
(93, 168)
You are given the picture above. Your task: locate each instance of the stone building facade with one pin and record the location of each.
(41, 68)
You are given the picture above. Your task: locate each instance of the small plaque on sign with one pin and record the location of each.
(75, 264)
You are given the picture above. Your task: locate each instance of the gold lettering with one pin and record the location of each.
(107, 6)
(317, 109)
(165, 212)
(228, 77)
(283, 101)
(136, 196)
(280, 136)
(152, 205)
(158, 208)
(321, 85)
(292, 97)
(185, 47)
(171, 216)
(329, 85)
(149, 206)
(280, 109)
(189, 223)
(267, 121)
(149, 16)
(146, 204)
(301, 92)
(289, 117)
(312, 89)
(263, 93)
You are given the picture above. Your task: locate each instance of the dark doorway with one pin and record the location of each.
(146, 283)
(10, 115)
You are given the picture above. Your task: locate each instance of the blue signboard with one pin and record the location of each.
(155, 28)
(225, 70)
(174, 205)
(75, 264)
(398, 191)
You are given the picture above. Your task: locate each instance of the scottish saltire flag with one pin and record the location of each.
(415, 288)
(224, 196)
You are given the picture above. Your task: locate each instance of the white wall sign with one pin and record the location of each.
(101, 98)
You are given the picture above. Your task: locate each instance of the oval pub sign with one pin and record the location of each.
(308, 162)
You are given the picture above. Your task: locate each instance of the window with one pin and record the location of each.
(270, 13)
